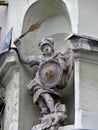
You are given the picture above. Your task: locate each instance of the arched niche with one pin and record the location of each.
(56, 22)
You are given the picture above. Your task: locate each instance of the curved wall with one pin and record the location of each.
(56, 22)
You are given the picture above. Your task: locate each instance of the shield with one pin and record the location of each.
(50, 73)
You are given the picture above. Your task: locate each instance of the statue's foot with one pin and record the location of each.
(37, 127)
(52, 121)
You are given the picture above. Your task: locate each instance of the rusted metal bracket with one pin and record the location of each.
(3, 3)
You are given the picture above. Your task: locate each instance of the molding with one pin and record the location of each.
(85, 48)
(85, 55)
(82, 129)
(8, 67)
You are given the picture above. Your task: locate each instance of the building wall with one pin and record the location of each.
(13, 15)
(19, 15)
(88, 17)
(67, 16)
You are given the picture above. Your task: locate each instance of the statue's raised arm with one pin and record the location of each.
(31, 60)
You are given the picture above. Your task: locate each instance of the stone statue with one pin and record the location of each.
(54, 70)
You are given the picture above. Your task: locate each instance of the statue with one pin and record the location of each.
(53, 73)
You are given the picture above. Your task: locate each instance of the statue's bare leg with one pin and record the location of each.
(49, 102)
(42, 105)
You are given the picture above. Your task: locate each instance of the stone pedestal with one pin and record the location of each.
(68, 127)
(86, 82)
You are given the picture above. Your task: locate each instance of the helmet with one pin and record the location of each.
(46, 41)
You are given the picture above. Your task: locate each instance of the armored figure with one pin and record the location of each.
(53, 72)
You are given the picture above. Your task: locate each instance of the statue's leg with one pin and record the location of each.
(49, 101)
(42, 105)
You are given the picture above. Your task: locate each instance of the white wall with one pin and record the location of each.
(13, 16)
(72, 6)
(16, 10)
(88, 17)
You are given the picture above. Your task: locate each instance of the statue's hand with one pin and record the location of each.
(17, 42)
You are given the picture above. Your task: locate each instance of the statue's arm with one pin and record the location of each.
(25, 59)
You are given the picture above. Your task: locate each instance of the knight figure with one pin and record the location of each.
(53, 72)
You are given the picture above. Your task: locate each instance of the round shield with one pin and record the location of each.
(50, 73)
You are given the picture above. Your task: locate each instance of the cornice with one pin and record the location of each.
(85, 48)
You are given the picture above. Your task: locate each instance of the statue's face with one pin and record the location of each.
(46, 49)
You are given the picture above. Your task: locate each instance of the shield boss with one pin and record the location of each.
(50, 73)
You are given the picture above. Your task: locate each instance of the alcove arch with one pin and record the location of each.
(56, 21)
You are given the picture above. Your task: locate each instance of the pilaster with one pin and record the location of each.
(9, 77)
(86, 81)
